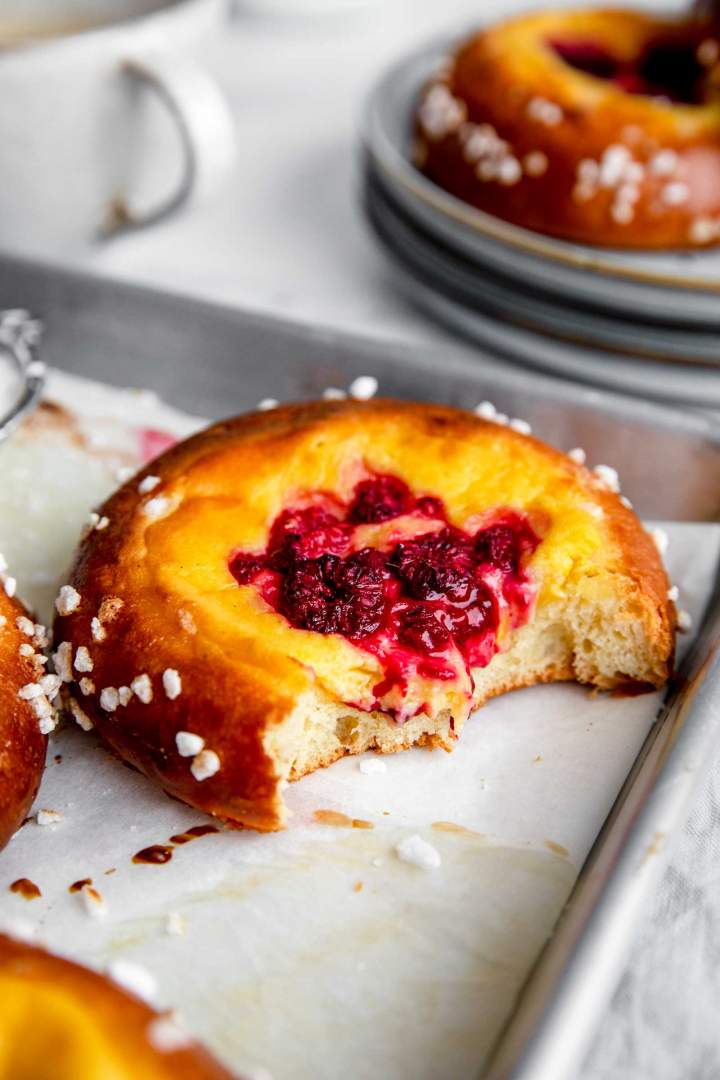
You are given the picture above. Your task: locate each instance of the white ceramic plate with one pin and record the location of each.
(664, 382)
(477, 288)
(680, 384)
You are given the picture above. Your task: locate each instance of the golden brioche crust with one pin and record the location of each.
(22, 746)
(87, 1026)
(157, 584)
(512, 129)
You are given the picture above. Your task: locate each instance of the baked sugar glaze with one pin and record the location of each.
(390, 573)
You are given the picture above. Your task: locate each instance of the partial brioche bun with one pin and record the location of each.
(511, 128)
(22, 744)
(61, 1021)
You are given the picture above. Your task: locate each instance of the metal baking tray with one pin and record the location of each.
(216, 361)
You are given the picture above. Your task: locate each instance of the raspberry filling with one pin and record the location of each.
(665, 68)
(389, 572)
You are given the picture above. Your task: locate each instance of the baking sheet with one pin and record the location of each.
(318, 952)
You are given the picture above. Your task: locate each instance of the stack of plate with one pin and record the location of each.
(639, 322)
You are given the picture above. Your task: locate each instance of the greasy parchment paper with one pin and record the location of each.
(315, 952)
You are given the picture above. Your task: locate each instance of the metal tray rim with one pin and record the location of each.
(574, 978)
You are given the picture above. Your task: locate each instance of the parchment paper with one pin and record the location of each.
(317, 952)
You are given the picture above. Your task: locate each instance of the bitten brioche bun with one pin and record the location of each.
(24, 722)
(291, 586)
(563, 122)
(60, 1021)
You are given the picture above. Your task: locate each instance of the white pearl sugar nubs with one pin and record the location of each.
(67, 600)
(47, 723)
(363, 388)
(155, 508)
(205, 764)
(663, 163)
(188, 744)
(172, 684)
(166, 1035)
(50, 685)
(148, 484)
(142, 688)
(487, 411)
(80, 716)
(521, 426)
(83, 660)
(109, 699)
(123, 473)
(413, 849)
(30, 691)
(544, 111)
(660, 538)
(703, 230)
(62, 659)
(675, 193)
(608, 477)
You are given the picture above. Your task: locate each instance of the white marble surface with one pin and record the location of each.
(286, 236)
